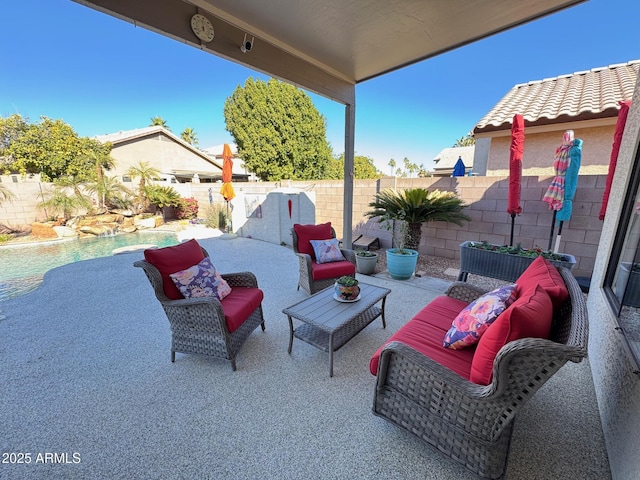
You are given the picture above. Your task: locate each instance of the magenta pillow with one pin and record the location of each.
(475, 318)
(327, 251)
(306, 233)
(529, 316)
(201, 280)
(170, 260)
(544, 273)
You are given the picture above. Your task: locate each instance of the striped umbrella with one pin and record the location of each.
(555, 193)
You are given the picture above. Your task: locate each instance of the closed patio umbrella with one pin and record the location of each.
(227, 175)
(515, 169)
(613, 161)
(555, 193)
(459, 169)
(570, 186)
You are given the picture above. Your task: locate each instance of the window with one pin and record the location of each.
(126, 178)
(622, 279)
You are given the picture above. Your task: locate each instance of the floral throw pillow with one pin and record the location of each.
(475, 318)
(201, 280)
(327, 250)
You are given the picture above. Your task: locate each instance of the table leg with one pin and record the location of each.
(384, 323)
(290, 333)
(331, 355)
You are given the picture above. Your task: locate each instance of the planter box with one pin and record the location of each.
(502, 266)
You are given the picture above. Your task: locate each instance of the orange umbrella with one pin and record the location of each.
(227, 174)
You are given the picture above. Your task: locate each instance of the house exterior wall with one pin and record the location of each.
(540, 145)
(162, 152)
(617, 386)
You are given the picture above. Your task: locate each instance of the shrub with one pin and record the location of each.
(215, 216)
(187, 208)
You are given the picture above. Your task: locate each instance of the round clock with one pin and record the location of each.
(202, 27)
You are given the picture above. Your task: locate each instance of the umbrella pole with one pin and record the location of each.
(513, 219)
(553, 225)
(227, 219)
(557, 247)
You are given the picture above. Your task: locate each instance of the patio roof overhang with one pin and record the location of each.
(329, 46)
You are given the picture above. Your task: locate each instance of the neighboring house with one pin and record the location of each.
(585, 102)
(169, 154)
(447, 158)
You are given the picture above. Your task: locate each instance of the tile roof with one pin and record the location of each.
(579, 96)
(448, 157)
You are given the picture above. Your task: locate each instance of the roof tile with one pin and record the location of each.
(588, 94)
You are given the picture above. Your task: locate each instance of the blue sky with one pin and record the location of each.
(101, 75)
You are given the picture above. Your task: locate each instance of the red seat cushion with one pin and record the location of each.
(544, 273)
(306, 233)
(322, 271)
(529, 316)
(425, 332)
(239, 305)
(174, 259)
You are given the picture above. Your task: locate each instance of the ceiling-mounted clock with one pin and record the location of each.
(202, 27)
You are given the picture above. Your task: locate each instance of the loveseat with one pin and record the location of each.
(463, 401)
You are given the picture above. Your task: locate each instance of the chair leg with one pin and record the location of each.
(173, 356)
(233, 364)
(262, 325)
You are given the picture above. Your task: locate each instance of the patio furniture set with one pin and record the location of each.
(455, 375)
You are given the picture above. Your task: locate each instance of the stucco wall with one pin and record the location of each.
(540, 147)
(617, 386)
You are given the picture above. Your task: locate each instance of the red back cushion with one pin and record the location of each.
(174, 259)
(529, 316)
(542, 272)
(306, 233)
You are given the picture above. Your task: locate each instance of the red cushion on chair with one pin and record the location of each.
(322, 271)
(174, 259)
(239, 305)
(306, 233)
(529, 316)
(425, 332)
(544, 273)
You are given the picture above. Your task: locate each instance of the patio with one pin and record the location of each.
(86, 369)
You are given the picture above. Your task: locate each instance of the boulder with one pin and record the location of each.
(43, 230)
(64, 232)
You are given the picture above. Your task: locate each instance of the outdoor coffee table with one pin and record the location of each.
(328, 323)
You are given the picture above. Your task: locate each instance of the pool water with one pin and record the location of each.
(23, 266)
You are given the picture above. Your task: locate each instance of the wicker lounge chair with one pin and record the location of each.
(198, 325)
(311, 282)
(473, 423)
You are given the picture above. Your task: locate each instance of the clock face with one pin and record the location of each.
(202, 27)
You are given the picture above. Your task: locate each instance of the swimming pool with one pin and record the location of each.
(23, 266)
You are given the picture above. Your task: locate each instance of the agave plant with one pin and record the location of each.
(413, 207)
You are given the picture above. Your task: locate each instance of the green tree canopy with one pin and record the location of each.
(363, 167)
(279, 132)
(465, 141)
(160, 122)
(190, 136)
(51, 148)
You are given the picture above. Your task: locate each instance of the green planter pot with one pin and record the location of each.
(401, 266)
(502, 266)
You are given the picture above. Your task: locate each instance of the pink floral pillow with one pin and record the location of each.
(475, 318)
(327, 250)
(201, 280)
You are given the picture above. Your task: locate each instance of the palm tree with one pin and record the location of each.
(5, 194)
(159, 121)
(465, 141)
(110, 192)
(145, 173)
(392, 164)
(60, 201)
(416, 206)
(190, 136)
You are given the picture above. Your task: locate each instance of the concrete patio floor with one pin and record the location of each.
(86, 370)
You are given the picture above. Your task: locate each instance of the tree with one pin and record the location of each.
(160, 122)
(392, 164)
(145, 173)
(190, 136)
(363, 167)
(279, 132)
(64, 200)
(5, 194)
(466, 141)
(110, 192)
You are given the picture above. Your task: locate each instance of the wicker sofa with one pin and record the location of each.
(430, 393)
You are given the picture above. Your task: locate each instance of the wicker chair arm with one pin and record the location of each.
(241, 279)
(465, 291)
(350, 255)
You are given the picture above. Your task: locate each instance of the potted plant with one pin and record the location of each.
(346, 288)
(403, 213)
(504, 262)
(366, 262)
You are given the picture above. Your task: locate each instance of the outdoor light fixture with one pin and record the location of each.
(246, 44)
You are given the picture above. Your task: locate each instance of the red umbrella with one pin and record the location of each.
(555, 193)
(227, 174)
(617, 139)
(515, 169)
